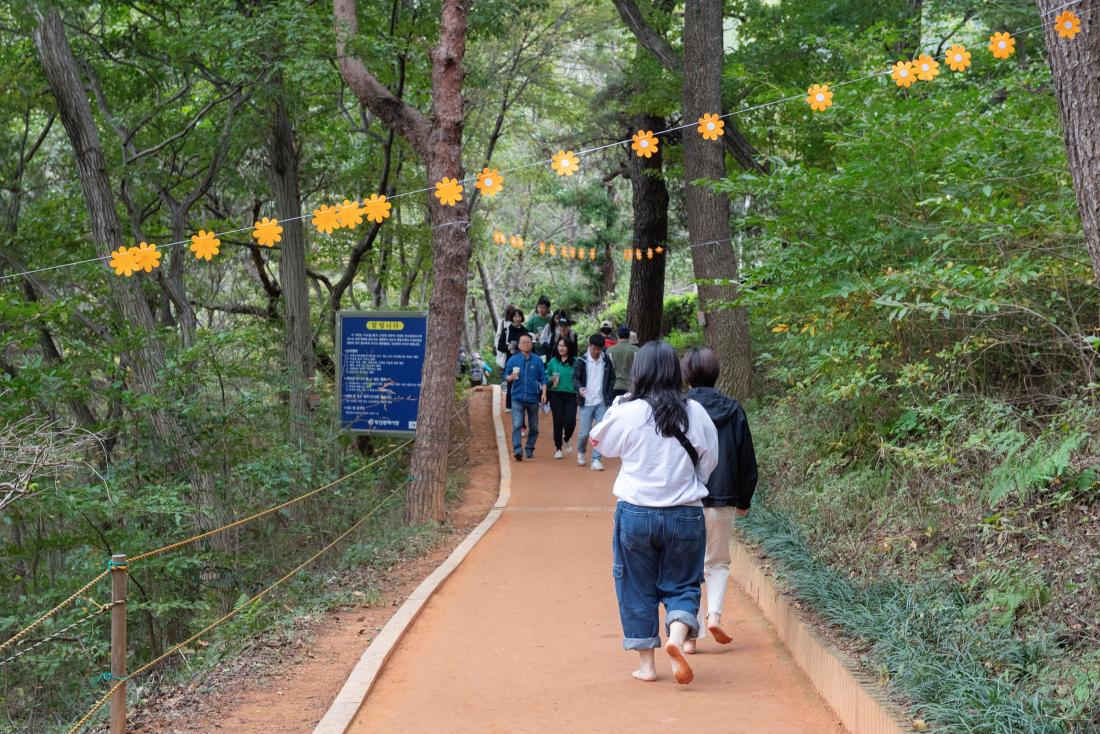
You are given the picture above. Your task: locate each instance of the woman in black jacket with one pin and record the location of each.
(730, 486)
(511, 329)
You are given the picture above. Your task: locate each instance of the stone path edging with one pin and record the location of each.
(858, 702)
(343, 709)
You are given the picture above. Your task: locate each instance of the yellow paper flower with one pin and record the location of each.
(448, 191)
(710, 126)
(819, 97)
(542, 248)
(489, 182)
(553, 250)
(350, 214)
(205, 245)
(146, 257)
(498, 237)
(326, 219)
(122, 260)
(927, 68)
(958, 58)
(565, 163)
(267, 232)
(377, 208)
(904, 74)
(1067, 24)
(644, 143)
(1002, 45)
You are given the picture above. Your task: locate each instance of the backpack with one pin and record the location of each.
(477, 373)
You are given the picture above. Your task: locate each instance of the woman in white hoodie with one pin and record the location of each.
(669, 447)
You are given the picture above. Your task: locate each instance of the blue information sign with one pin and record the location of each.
(379, 365)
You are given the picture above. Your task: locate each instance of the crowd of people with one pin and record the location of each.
(688, 467)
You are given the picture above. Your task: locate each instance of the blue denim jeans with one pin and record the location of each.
(519, 407)
(590, 416)
(658, 559)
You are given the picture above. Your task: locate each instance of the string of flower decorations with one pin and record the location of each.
(267, 232)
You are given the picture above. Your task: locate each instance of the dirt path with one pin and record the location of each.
(525, 637)
(289, 689)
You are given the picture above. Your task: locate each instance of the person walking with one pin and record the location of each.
(622, 356)
(594, 378)
(527, 375)
(669, 447)
(564, 330)
(730, 487)
(508, 342)
(562, 396)
(540, 328)
(608, 331)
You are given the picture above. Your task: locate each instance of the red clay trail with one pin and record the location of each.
(525, 637)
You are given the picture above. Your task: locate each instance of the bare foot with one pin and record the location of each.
(647, 675)
(681, 671)
(689, 647)
(720, 635)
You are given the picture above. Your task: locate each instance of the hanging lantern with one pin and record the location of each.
(659, 249)
(553, 250)
(591, 253)
(542, 248)
(638, 253)
(649, 253)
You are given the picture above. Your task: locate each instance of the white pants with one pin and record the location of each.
(716, 565)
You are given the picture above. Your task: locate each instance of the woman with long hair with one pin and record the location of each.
(669, 447)
(562, 395)
(511, 329)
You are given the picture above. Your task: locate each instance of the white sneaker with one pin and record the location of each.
(596, 465)
(557, 454)
(580, 459)
(568, 448)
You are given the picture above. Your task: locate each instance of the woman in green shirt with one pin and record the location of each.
(562, 396)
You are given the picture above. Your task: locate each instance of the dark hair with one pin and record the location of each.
(624, 332)
(700, 367)
(514, 313)
(570, 350)
(543, 301)
(559, 315)
(509, 311)
(655, 378)
(597, 340)
(525, 334)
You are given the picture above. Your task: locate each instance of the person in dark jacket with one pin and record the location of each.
(508, 343)
(730, 486)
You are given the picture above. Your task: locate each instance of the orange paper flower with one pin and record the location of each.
(628, 254)
(122, 260)
(350, 214)
(638, 253)
(1067, 24)
(927, 68)
(591, 253)
(553, 250)
(904, 74)
(644, 143)
(1002, 45)
(377, 208)
(448, 191)
(711, 126)
(516, 241)
(958, 58)
(326, 219)
(565, 163)
(542, 248)
(205, 245)
(489, 181)
(499, 238)
(267, 232)
(649, 253)
(146, 257)
(819, 97)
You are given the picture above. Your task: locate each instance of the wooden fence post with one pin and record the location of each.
(118, 642)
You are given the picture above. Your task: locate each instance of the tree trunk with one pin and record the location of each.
(726, 329)
(298, 339)
(645, 301)
(1075, 65)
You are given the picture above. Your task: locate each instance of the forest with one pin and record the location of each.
(901, 281)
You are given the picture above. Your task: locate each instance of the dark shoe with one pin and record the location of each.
(519, 456)
(530, 454)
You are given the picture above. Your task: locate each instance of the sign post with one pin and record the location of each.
(379, 368)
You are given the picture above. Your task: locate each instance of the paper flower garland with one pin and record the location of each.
(645, 145)
(819, 97)
(1002, 45)
(377, 208)
(145, 257)
(326, 219)
(350, 214)
(710, 126)
(205, 245)
(553, 250)
(904, 74)
(564, 163)
(489, 182)
(122, 260)
(927, 68)
(448, 191)
(516, 241)
(1067, 24)
(267, 232)
(958, 58)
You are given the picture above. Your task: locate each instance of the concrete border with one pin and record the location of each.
(347, 703)
(856, 699)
